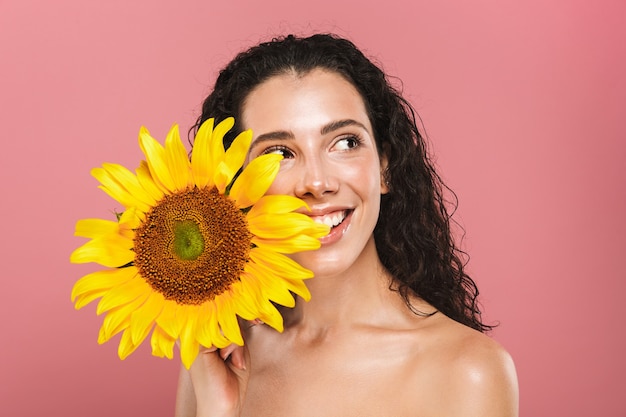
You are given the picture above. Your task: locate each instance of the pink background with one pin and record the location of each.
(523, 101)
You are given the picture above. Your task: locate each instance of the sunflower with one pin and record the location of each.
(197, 245)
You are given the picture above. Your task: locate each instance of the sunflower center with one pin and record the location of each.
(192, 245)
(188, 240)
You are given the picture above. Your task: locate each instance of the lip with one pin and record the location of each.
(336, 232)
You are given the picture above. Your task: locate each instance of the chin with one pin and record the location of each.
(322, 264)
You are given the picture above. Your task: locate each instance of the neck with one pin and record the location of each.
(356, 296)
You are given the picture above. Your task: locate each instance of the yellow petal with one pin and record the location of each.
(169, 320)
(123, 294)
(142, 320)
(281, 226)
(289, 245)
(155, 156)
(126, 346)
(227, 319)
(273, 276)
(267, 312)
(255, 179)
(104, 337)
(86, 298)
(130, 182)
(116, 190)
(201, 162)
(118, 319)
(298, 286)
(209, 333)
(237, 152)
(274, 287)
(102, 280)
(130, 220)
(177, 160)
(95, 228)
(189, 345)
(112, 251)
(247, 299)
(276, 204)
(279, 262)
(271, 316)
(147, 182)
(216, 144)
(162, 344)
(289, 271)
(222, 177)
(204, 334)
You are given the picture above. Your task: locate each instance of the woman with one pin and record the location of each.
(393, 327)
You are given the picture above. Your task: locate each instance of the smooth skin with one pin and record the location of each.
(355, 349)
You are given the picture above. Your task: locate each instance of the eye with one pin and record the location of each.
(347, 142)
(279, 150)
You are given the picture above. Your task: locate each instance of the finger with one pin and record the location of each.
(225, 352)
(236, 355)
(238, 358)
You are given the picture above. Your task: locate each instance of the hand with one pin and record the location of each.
(216, 383)
(220, 379)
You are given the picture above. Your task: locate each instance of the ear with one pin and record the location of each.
(384, 179)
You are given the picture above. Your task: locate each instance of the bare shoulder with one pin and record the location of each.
(484, 380)
(470, 374)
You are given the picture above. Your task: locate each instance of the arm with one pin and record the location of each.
(185, 397)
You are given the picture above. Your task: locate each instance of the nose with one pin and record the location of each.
(317, 179)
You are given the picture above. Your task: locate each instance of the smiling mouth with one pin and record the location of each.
(332, 220)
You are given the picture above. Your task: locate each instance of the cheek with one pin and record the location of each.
(283, 184)
(365, 176)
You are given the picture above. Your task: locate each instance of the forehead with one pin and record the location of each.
(291, 100)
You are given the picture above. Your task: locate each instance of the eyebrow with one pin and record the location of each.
(336, 125)
(326, 129)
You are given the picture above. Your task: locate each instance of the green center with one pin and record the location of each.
(188, 240)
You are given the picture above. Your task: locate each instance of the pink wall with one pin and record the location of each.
(522, 101)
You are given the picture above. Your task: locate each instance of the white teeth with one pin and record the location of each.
(331, 220)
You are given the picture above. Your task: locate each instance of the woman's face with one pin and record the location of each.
(318, 122)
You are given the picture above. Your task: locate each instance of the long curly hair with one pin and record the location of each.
(413, 234)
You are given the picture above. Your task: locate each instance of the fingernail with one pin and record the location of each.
(239, 360)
